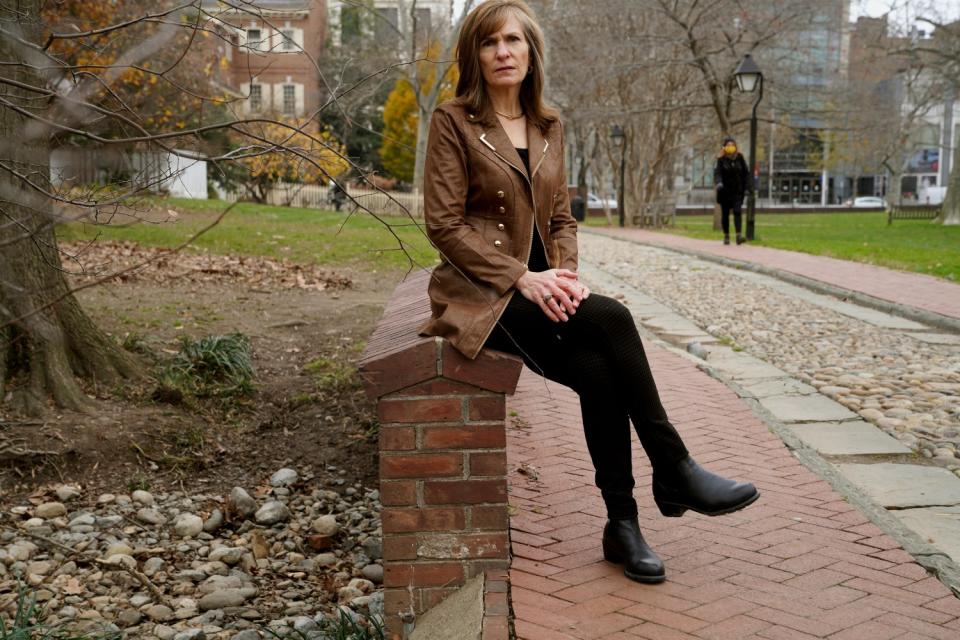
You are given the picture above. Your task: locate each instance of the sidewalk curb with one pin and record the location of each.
(926, 555)
(939, 563)
(864, 300)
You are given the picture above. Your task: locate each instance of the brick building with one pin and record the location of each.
(271, 51)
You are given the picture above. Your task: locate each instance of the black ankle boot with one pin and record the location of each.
(726, 238)
(624, 544)
(740, 239)
(690, 486)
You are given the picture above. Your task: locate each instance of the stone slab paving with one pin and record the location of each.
(909, 289)
(776, 387)
(939, 525)
(900, 486)
(855, 438)
(802, 562)
(790, 406)
(872, 316)
(937, 338)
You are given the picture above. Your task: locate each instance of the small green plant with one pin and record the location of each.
(28, 623)
(334, 375)
(210, 366)
(134, 343)
(727, 341)
(346, 627)
(138, 483)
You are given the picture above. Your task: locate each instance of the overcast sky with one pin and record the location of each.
(901, 8)
(865, 7)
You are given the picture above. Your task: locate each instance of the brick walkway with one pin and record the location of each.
(910, 289)
(799, 563)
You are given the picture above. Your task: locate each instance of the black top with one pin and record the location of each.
(538, 254)
(731, 176)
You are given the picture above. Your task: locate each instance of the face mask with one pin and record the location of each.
(730, 149)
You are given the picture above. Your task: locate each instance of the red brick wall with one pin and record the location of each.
(444, 491)
(443, 463)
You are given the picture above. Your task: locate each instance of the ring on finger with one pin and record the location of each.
(548, 297)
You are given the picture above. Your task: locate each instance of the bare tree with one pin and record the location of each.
(427, 89)
(48, 345)
(944, 52)
(664, 71)
(882, 116)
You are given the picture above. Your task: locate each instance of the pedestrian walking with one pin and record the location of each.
(732, 180)
(496, 207)
(337, 194)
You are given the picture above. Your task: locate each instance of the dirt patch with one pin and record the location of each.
(307, 330)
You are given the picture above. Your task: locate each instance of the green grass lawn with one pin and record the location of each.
(909, 245)
(302, 235)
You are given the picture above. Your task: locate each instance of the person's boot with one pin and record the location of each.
(726, 238)
(624, 544)
(690, 486)
(740, 239)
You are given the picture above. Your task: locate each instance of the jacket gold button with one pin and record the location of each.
(499, 194)
(502, 210)
(497, 243)
(501, 227)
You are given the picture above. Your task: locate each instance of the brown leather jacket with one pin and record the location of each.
(480, 207)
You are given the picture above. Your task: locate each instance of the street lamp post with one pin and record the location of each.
(619, 138)
(749, 77)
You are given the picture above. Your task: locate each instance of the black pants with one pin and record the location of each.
(725, 217)
(598, 354)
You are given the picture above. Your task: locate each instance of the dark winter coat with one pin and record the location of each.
(731, 177)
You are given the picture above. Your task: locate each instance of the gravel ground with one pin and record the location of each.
(907, 387)
(301, 551)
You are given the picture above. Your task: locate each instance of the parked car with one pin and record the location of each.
(869, 202)
(596, 202)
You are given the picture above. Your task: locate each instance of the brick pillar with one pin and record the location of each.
(443, 460)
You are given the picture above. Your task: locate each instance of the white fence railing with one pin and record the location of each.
(315, 196)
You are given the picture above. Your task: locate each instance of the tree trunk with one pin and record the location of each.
(420, 159)
(47, 342)
(429, 96)
(951, 204)
(894, 188)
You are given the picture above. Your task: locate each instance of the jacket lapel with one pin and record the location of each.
(538, 148)
(496, 139)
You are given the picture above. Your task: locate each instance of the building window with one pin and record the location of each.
(289, 100)
(424, 25)
(254, 38)
(350, 26)
(288, 44)
(256, 98)
(386, 27)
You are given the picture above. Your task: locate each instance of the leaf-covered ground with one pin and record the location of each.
(307, 326)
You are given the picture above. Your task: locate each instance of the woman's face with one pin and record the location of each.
(505, 55)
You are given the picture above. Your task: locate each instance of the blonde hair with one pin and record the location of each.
(487, 18)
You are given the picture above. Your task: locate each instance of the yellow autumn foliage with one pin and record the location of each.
(307, 157)
(401, 118)
(184, 93)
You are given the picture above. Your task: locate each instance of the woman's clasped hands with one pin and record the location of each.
(558, 292)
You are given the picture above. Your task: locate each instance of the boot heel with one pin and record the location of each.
(671, 510)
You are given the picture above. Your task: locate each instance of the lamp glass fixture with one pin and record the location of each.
(748, 75)
(747, 82)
